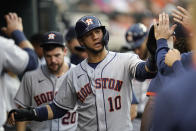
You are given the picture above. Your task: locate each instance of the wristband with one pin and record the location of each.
(18, 36)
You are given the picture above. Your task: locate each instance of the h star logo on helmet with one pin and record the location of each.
(130, 37)
(51, 36)
(89, 21)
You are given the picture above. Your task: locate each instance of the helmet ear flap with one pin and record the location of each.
(105, 37)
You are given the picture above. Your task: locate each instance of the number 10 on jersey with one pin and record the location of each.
(114, 103)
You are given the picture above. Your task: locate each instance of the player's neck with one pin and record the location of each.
(95, 58)
(62, 70)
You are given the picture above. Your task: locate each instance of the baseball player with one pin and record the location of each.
(12, 57)
(179, 114)
(36, 39)
(136, 37)
(100, 85)
(38, 87)
(165, 72)
(77, 52)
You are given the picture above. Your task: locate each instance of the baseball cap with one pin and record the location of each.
(52, 38)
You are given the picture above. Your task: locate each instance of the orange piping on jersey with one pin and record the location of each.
(150, 93)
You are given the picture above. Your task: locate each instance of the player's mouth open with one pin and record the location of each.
(98, 44)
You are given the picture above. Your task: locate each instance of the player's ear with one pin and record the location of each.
(65, 50)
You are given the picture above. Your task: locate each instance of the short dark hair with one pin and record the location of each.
(181, 43)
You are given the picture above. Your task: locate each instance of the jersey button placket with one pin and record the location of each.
(100, 105)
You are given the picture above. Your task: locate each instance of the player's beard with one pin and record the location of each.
(53, 70)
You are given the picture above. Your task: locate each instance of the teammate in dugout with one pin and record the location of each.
(181, 92)
(169, 61)
(39, 87)
(16, 55)
(100, 85)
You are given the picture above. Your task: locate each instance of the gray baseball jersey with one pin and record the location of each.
(14, 59)
(38, 88)
(103, 94)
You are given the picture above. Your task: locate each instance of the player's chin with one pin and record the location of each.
(98, 47)
(54, 68)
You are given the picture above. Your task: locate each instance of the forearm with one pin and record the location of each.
(133, 111)
(42, 113)
(143, 73)
(22, 42)
(162, 49)
(56, 112)
(33, 59)
(146, 122)
(49, 112)
(21, 126)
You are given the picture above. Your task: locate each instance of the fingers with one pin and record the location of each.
(173, 28)
(177, 14)
(3, 29)
(20, 19)
(184, 11)
(155, 24)
(11, 119)
(162, 30)
(180, 14)
(176, 51)
(167, 19)
(13, 23)
(164, 19)
(160, 19)
(7, 18)
(173, 52)
(12, 16)
(178, 20)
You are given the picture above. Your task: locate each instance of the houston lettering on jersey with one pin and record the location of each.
(105, 83)
(44, 97)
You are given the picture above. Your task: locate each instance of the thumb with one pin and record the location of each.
(155, 24)
(10, 113)
(173, 28)
(4, 29)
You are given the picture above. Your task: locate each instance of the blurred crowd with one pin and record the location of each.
(116, 14)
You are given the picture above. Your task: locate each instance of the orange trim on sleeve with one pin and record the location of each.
(150, 93)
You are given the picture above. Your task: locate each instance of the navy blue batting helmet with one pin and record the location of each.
(136, 35)
(88, 23)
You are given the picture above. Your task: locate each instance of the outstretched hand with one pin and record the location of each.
(162, 28)
(183, 17)
(13, 23)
